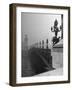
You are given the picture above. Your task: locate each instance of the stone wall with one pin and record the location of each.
(57, 57)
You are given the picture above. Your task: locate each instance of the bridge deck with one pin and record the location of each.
(36, 61)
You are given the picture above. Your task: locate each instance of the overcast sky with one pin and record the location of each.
(38, 26)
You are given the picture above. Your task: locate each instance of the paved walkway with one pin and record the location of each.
(58, 71)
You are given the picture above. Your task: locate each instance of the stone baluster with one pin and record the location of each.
(42, 43)
(46, 43)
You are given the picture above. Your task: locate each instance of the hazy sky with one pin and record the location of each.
(38, 26)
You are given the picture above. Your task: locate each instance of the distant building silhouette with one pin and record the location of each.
(26, 42)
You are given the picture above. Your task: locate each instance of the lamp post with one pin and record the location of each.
(56, 30)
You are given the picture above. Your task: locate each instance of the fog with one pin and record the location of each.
(38, 27)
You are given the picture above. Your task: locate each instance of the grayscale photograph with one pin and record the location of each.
(41, 44)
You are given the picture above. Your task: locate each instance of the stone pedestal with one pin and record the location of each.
(57, 55)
